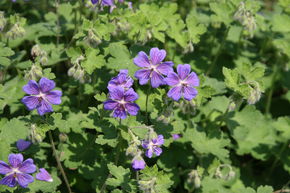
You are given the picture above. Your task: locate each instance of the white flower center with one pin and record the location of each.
(122, 102)
(14, 171)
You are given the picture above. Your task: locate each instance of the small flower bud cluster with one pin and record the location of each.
(34, 73)
(246, 18)
(39, 55)
(194, 178)
(92, 38)
(255, 94)
(147, 186)
(35, 136)
(189, 48)
(16, 31)
(3, 21)
(228, 176)
(77, 72)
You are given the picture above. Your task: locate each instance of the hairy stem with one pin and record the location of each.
(59, 163)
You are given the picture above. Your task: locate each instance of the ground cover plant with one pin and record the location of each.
(149, 96)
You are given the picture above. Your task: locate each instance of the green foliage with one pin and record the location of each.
(234, 135)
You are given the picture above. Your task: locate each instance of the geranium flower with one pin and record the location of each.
(121, 102)
(42, 97)
(182, 83)
(152, 68)
(17, 172)
(153, 146)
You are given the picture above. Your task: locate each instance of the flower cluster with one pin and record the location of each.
(122, 96)
(154, 69)
(19, 172)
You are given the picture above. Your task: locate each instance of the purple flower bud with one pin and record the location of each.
(43, 175)
(22, 144)
(138, 164)
(175, 136)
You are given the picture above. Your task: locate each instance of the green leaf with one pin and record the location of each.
(120, 177)
(93, 61)
(160, 182)
(253, 133)
(206, 145)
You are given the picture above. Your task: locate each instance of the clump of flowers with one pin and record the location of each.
(42, 96)
(182, 83)
(122, 97)
(153, 67)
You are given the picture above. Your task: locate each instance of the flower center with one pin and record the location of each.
(14, 172)
(122, 102)
(183, 83)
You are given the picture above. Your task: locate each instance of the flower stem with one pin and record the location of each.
(119, 138)
(147, 99)
(58, 162)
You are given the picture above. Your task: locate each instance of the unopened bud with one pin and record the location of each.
(71, 71)
(255, 96)
(43, 60)
(232, 106)
(62, 137)
(197, 182)
(15, 32)
(34, 73)
(35, 137)
(35, 50)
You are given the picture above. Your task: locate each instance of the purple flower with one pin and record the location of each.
(42, 96)
(122, 80)
(175, 136)
(152, 146)
(138, 164)
(17, 171)
(121, 102)
(43, 175)
(22, 144)
(152, 68)
(182, 83)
